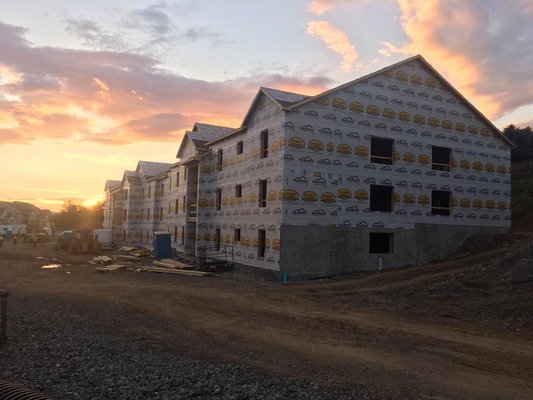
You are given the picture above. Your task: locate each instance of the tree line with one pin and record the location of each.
(523, 139)
(73, 216)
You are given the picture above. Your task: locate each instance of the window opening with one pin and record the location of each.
(262, 193)
(264, 144)
(219, 160)
(219, 199)
(217, 239)
(441, 158)
(381, 198)
(441, 202)
(381, 150)
(380, 243)
(262, 243)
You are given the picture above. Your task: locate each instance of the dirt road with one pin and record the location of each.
(352, 331)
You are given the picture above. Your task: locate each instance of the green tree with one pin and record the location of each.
(74, 216)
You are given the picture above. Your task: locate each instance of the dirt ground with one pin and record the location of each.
(393, 330)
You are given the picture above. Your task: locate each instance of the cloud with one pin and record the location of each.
(114, 97)
(319, 7)
(92, 35)
(152, 19)
(484, 48)
(336, 40)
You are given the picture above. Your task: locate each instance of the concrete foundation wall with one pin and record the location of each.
(317, 251)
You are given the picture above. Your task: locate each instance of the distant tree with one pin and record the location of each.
(73, 216)
(523, 138)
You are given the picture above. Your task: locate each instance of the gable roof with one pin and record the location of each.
(282, 98)
(202, 134)
(418, 57)
(131, 176)
(110, 184)
(149, 169)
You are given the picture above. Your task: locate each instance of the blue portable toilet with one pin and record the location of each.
(162, 247)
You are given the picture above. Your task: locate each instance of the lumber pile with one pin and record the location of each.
(103, 260)
(126, 257)
(111, 268)
(169, 263)
(175, 271)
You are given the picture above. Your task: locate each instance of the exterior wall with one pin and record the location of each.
(328, 171)
(177, 215)
(246, 169)
(108, 210)
(319, 174)
(319, 251)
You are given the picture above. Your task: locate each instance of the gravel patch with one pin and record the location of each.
(68, 350)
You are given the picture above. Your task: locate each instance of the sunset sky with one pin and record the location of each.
(87, 88)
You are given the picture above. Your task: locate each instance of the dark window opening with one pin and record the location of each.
(240, 147)
(238, 190)
(161, 214)
(149, 191)
(148, 214)
(380, 243)
(184, 204)
(264, 144)
(185, 173)
(441, 158)
(175, 234)
(441, 202)
(219, 160)
(177, 178)
(262, 193)
(162, 189)
(262, 243)
(381, 198)
(381, 150)
(124, 235)
(219, 199)
(217, 239)
(237, 235)
(177, 206)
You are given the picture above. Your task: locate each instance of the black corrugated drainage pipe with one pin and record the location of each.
(11, 391)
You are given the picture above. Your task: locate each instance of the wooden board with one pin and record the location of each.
(177, 271)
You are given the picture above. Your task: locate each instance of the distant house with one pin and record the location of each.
(20, 217)
(393, 168)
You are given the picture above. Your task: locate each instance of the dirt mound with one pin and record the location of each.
(482, 243)
(500, 289)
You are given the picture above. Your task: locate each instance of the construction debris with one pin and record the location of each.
(104, 260)
(111, 268)
(126, 249)
(175, 271)
(168, 263)
(125, 257)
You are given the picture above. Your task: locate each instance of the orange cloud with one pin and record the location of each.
(336, 39)
(112, 97)
(475, 46)
(319, 7)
